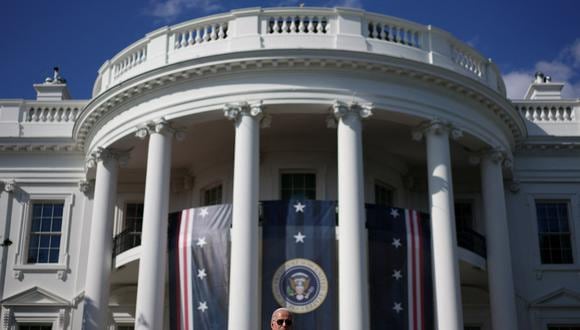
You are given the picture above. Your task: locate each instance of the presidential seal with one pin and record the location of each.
(300, 285)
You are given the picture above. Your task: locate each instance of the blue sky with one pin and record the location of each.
(520, 36)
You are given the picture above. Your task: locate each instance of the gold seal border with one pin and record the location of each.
(316, 269)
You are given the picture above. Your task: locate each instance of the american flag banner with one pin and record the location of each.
(198, 267)
(299, 262)
(401, 286)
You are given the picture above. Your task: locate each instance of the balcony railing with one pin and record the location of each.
(282, 28)
(471, 240)
(126, 240)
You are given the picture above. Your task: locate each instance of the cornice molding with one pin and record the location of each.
(40, 147)
(117, 96)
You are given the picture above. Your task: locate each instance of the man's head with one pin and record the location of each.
(281, 319)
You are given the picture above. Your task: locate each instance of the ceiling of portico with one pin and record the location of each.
(211, 141)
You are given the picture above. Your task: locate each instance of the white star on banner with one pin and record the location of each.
(201, 242)
(201, 274)
(394, 213)
(299, 237)
(396, 242)
(397, 307)
(397, 274)
(202, 306)
(299, 207)
(203, 212)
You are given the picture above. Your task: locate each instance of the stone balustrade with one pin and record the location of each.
(556, 118)
(23, 118)
(297, 28)
(395, 31)
(547, 112)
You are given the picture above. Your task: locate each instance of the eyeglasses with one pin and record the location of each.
(288, 322)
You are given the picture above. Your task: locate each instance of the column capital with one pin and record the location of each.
(8, 186)
(105, 154)
(160, 126)
(234, 111)
(86, 186)
(436, 127)
(341, 109)
(496, 155)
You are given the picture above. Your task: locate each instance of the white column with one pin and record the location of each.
(499, 265)
(352, 266)
(446, 279)
(152, 264)
(244, 288)
(101, 240)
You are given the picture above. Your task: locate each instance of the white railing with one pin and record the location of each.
(394, 31)
(300, 28)
(468, 59)
(135, 56)
(195, 35)
(298, 24)
(547, 113)
(52, 114)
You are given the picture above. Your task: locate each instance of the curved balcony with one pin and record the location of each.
(125, 240)
(258, 29)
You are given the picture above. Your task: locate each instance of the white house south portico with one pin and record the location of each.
(257, 104)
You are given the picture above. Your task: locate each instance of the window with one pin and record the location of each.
(134, 217)
(554, 232)
(464, 215)
(212, 195)
(45, 232)
(298, 186)
(563, 327)
(34, 327)
(384, 194)
(134, 222)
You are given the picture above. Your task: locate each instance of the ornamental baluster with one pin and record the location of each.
(213, 35)
(221, 32)
(293, 27)
(206, 33)
(284, 25)
(198, 35)
(190, 37)
(311, 28)
(301, 27)
(370, 30)
(325, 25)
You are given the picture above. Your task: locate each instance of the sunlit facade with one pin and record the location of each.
(263, 104)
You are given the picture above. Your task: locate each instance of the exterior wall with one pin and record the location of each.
(45, 146)
(540, 288)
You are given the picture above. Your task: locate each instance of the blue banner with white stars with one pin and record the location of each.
(400, 277)
(299, 262)
(198, 267)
